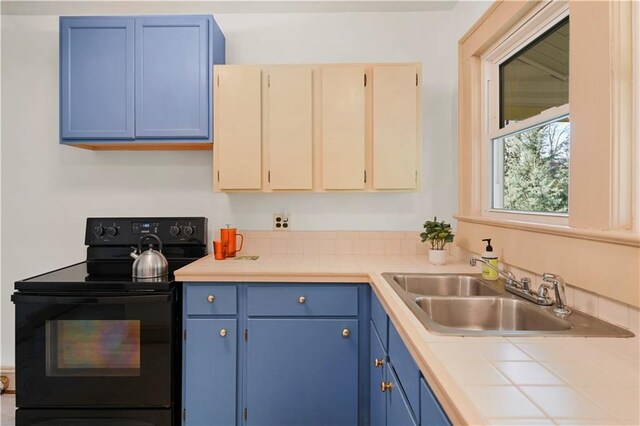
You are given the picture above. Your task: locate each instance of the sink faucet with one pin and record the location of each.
(556, 283)
(523, 284)
(520, 288)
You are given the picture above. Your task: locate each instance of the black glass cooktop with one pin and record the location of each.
(76, 277)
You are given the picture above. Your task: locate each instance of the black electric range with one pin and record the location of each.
(95, 346)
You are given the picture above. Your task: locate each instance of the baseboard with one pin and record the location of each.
(10, 373)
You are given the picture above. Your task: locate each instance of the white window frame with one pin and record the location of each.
(532, 26)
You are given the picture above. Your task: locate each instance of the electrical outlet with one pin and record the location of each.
(281, 222)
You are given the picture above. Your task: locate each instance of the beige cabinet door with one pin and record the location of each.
(238, 127)
(290, 128)
(395, 127)
(343, 127)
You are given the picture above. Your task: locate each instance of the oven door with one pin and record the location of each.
(94, 350)
(88, 417)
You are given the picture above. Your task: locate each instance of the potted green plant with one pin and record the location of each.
(438, 234)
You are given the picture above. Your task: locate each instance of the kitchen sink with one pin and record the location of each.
(489, 313)
(467, 305)
(443, 285)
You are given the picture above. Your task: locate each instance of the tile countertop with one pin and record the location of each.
(478, 380)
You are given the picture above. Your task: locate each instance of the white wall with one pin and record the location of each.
(49, 190)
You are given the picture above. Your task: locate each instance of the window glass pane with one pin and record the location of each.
(531, 169)
(93, 348)
(537, 77)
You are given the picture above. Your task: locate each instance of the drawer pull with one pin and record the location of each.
(346, 333)
(211, 298)
(385, 386)
(302, 300)
(223, 332)
(378, 362)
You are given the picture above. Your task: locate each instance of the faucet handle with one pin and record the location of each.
(526, 283)
(549, 277)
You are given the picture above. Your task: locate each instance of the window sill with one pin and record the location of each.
(627, 238)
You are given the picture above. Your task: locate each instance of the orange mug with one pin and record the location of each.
(228, 237)
(219, 250)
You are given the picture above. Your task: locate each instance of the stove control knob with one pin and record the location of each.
(112, 231)
(174, 230)
(98, 231)
(188, 230)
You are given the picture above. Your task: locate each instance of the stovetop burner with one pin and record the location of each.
(108, 266)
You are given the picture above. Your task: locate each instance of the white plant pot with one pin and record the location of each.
(437, 257)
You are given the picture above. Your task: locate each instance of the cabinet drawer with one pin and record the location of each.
(207, 299)
(379, 319)
(302, 300)
(405, 367)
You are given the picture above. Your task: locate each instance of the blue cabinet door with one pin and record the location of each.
(302, 372)
(398, 410)
(173, 70)
(96, 78)
(210, 372)
(431, 414)
(377, 362)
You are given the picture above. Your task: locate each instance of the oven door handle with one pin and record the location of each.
(77, 300)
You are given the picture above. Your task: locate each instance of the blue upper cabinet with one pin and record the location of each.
(138, 80)
(173, 71)
(97, 78)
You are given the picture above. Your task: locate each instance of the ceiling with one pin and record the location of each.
(95, 7)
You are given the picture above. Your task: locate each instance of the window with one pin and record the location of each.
(528, 125)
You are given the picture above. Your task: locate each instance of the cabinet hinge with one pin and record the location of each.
(269, 81)
(218, 175)
(218, 80)
(184, 415)
(416, 79)
(185, 334)
(245, 414)
(246, 334)
(365, 80)
(365, 176)
(269, 176)
(416, 176)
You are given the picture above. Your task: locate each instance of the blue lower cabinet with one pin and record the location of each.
(210, 359)
(398, 408)
(405, 367)
(377, 362)
(431, 413)
(302, 372)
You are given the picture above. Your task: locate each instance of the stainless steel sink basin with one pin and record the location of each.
(466, 305)
(444, 285)
(490, 313)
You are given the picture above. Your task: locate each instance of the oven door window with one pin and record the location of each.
(95, 350)
(93, 347)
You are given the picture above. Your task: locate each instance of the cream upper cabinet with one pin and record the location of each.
(343, 127)
(396, 151)
(290, 128)
(320, 128)
(238, 128)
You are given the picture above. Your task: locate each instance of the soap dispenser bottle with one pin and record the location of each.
(492, 259)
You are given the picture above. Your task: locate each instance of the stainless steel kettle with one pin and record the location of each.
(150, 263)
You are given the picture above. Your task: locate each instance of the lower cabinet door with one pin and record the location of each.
(210, 372)
(302, 372)
(431, 414)
(377, 362)
(398, 409)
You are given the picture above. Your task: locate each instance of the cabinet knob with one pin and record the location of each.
(223, 332)
(378, 362)
(211, 298)
(346, 333)
(385, 386)
(302, 300)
